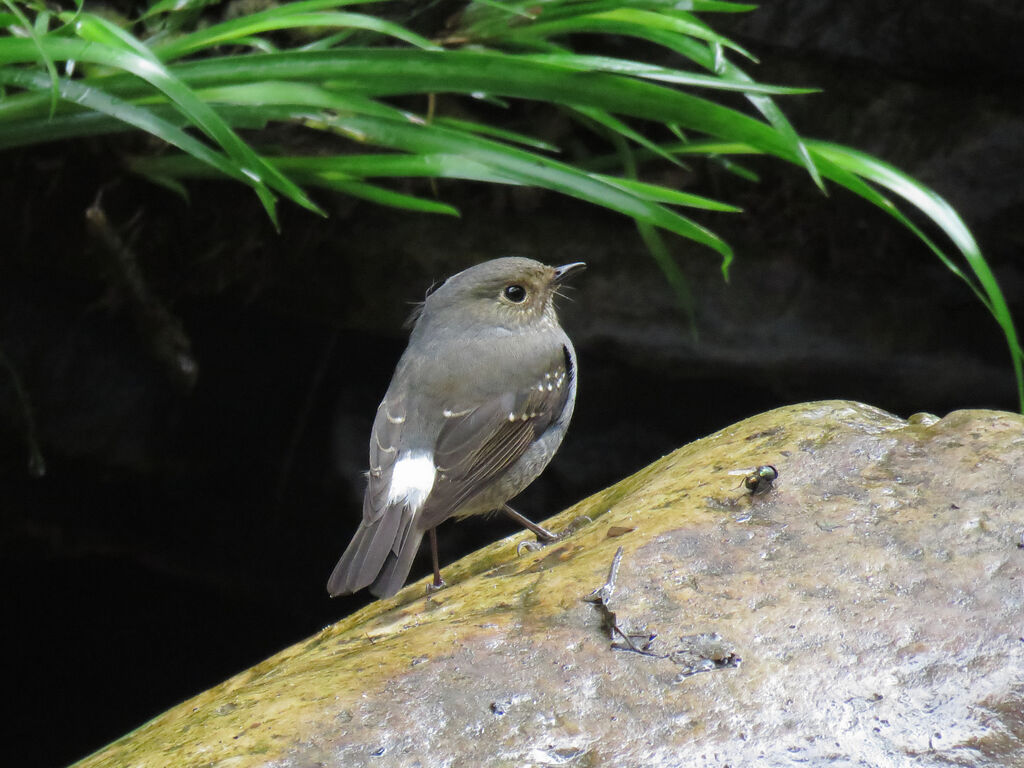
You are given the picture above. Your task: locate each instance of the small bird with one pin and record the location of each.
(477, 406)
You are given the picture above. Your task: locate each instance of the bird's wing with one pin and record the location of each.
(386, 528)
(480, 441)
(384, 442)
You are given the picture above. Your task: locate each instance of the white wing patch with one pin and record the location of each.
(412, 478)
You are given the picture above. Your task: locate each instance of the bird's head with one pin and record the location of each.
(510, 293)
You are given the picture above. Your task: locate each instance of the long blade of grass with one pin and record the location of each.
(850, 179)
(123, 51)
(712, 60)
(143, 119)
(173, 6)
(716, 6)
(659, 194)
(169, 6)
(943, 215)
(497, 133)
(510, 9)
(612, 123)
(503, 163)
(107, 45)
(231, 31)
(761, 101)
(662, 74)
(306, 94)
(91, 123)
(850, 168)
(47, 60)
(497, 12)
(440, 166)
(523, 167)
(636, 18)
(389, 197)
(344, 167)
(676, 278)
(655, 243)
(387, 72)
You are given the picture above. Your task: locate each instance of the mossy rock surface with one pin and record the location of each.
(869, 610)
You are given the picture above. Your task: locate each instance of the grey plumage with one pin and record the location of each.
(478, 405)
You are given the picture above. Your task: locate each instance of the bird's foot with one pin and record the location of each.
(543, 541)
(530, 546)
(436, 586)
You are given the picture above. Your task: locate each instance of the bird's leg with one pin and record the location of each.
(540, 531)
(438, 581)
(544, 536)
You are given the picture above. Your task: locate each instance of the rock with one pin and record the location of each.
(865, 609)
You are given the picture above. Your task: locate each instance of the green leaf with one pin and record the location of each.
(676, 278)
(274, 20)
(456, 153)
(641, 22)
(524, 167)
(175, 6)
(389, 197)
(663, 74)
(713, 60)
(617, 126)
(143, 119)
(497, 133)
(345, 167)
(386, 72)
(510, 9)
(107, 45)
(310, 95)
(764, 104)
(656, 244)
(660, 194)
(943, 215)
(713, 6)
(34, 35)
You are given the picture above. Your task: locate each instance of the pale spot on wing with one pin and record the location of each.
(412, 479)
(389, 449)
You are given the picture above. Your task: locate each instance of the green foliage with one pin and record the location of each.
(334, 66)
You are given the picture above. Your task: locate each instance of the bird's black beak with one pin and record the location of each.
(568, 270)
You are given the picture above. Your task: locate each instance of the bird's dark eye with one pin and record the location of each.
(515, 293)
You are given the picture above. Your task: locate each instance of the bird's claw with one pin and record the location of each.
(433, 587)
(530, 546)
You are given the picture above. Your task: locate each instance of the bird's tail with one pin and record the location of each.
(379, 556)
(397, 565)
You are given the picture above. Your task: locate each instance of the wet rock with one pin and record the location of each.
(873, 594)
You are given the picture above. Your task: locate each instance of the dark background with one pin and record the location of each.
(180, 535)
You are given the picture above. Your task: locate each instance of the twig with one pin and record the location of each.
(157, 325)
